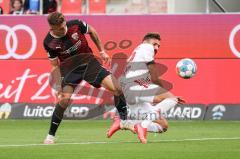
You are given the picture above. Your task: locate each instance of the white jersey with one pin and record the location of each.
(136, 70)
(136, 81)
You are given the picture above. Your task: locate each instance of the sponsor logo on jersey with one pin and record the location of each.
(75, 36)
(73, 48)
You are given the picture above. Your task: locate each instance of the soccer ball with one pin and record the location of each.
(186, 68)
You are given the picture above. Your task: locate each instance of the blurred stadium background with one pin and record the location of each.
(207, 126)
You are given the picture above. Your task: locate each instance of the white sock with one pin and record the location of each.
(50, 137)
(126, 124)
(166, 105)
(154, 127)
(145, 123)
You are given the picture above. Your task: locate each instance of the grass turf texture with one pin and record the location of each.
(86, 139)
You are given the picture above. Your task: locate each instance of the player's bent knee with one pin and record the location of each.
(65, 102)
(117, 91)
(111, 84)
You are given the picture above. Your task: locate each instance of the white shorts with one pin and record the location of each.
(144, 111)
(139, 94)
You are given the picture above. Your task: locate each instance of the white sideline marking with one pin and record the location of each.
(105, 142)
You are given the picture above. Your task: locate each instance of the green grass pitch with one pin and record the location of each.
(22, 139)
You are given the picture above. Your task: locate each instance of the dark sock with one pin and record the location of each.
(120, 104)
(56, 119)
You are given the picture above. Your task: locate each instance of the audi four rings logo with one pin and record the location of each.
(11, 49)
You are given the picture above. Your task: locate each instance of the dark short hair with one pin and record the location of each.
(152, 36)
(56, 18)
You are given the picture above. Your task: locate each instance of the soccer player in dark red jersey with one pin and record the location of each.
(72, 61)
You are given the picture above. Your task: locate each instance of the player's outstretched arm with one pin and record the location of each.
(95, 38)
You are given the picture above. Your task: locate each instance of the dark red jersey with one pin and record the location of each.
(74, 43)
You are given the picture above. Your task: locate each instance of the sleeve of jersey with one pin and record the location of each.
(51, 54)
(83, 27)
(148, 55)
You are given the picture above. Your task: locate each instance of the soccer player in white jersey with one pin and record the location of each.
(144, 93)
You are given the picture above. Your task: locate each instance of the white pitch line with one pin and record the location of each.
(106, 142)
(198, 139)
(70, 143)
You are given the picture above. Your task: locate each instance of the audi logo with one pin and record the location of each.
(11, 49)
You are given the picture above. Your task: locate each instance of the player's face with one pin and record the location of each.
(59, 30)
(155, 43)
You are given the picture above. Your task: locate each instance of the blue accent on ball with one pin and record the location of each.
(187, 62)
(183, 68)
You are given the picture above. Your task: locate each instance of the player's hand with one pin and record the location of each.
(58, 93)
(105, 57)
(181, 100)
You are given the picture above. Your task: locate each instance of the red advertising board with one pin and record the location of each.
(215, 82)
(211, 40)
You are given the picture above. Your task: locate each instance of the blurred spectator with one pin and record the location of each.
(49, 6)
(1, 10)
(136, 7)
(17, 7)
(32, 6)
